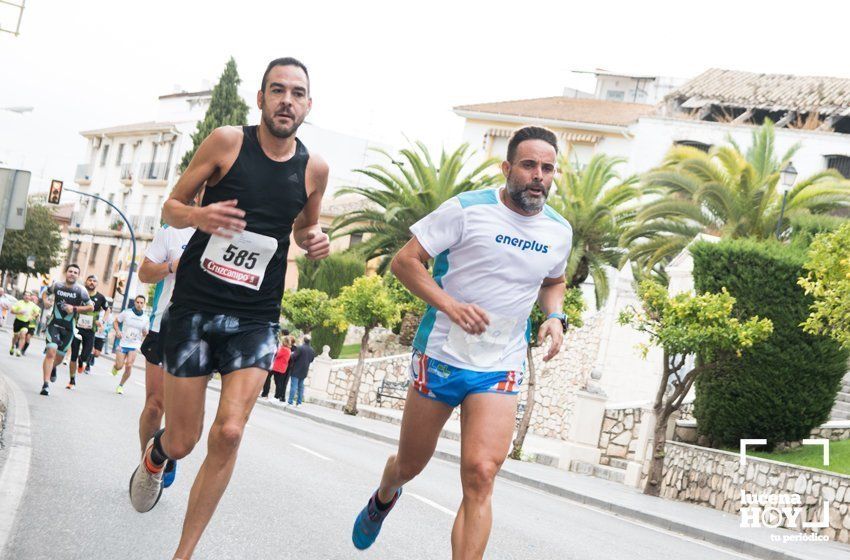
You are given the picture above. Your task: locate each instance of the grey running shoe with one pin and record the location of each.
(145, 486)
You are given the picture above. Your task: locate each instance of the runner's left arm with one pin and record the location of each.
(307, 232)
(551, 300)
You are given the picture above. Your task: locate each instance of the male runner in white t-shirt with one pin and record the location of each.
(131, 326)
(160, 266)
(495, 252)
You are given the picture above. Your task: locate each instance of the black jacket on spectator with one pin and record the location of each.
(299, 362)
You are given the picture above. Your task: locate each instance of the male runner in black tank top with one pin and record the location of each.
(261, 185)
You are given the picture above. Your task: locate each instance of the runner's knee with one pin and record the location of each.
(478, 477)
(227, 434)
(154, 406)
(408, 470)
(181, 445)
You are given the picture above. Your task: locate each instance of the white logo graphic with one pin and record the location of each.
(774, 510)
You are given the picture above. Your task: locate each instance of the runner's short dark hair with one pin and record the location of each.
(531, 133)
(72, 265)
(140, 296)
(285, 61)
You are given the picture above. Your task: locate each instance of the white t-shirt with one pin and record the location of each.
(167, 245)
(133, 328)
(489, 255)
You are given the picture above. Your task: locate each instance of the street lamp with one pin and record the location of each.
(30, 266)
(787, 177)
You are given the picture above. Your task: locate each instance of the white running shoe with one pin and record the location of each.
(145, 486)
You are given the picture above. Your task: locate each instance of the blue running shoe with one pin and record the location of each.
(169, 474)
(369, 521)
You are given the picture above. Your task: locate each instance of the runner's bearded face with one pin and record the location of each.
(286, 101)
(71, 275)
(529, 177)
(91, 284)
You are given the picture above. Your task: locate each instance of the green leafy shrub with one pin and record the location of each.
(785, 386)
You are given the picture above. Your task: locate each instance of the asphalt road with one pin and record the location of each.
(295, 492)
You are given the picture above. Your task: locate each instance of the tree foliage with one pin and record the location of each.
(405, 190)
(726, 192)
(600, 207)
(330, 275)
(682, 325)
(366, 303)
(41, 238)
(785, 386)
(226, 108)
(827, 280)
(308, 309)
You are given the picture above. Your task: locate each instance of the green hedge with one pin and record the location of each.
(804, 227)
(330, 275)
(784, 387)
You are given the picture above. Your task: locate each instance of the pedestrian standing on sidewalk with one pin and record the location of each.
(302, 357)
(278, 371)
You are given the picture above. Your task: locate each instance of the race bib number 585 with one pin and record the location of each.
(241, 260)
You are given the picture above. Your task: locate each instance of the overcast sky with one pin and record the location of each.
(380, 70)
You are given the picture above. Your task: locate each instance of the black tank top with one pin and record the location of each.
(224, 281)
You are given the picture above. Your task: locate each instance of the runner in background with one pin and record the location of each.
(131, 326)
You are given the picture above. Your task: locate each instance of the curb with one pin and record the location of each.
(15, 471)
(729, 543)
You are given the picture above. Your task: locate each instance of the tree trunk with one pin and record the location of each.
(407, 331)
(659, 438)
(353, 392)
(516, 452)
(655, 476)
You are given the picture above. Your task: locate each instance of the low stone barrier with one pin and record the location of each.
(716, 479)
(620, 434)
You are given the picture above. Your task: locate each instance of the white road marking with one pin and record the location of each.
(139, 383)
(726, 551)
(310, 451)
(431, 503)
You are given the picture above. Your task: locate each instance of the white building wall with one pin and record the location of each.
(653, 137)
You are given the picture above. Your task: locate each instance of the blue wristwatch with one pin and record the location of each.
(561, 317)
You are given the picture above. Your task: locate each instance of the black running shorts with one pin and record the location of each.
(98, 343)
(59, 336)
(151, 348)
(19, 325)
(86, 342)
(196, 343)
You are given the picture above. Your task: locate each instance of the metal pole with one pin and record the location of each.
(132, 240)
(781, 215)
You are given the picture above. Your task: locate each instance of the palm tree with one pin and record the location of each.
(404, 192)
(600, 206)
(724, 192)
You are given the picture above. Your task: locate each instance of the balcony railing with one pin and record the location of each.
(83, 173)
(77, 218)
(153, 171)
(144, 224)
(127, 172)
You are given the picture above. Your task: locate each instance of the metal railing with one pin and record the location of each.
(154, 171)
(144, 224)
(127, 171)
(77, 218)
(83, 172)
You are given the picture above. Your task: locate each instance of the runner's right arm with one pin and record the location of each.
(211, 162)
(151, 272)
(409, 267)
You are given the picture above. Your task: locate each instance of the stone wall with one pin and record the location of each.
(834, 430)
(618, 438)
(391, 368)
(716, 479)
(557, 381)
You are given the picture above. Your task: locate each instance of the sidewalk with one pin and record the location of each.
(698, 522)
